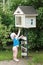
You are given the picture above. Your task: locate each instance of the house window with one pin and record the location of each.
(18, 12)
(31, 21)
(18, 20)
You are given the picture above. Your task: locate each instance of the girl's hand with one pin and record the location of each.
(21, 36)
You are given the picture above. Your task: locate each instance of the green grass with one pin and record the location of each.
(6, 55)
(35, 57)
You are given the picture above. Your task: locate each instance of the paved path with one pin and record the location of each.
(11, 62)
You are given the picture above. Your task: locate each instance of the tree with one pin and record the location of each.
(7, 21)
(3, 5)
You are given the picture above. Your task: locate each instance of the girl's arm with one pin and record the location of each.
(18, 33)
(20, 37)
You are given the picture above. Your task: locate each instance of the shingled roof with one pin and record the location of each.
(28, 9)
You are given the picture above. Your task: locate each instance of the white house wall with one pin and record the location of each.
(22, 20)
(17, 21)
(18, 10)
(28, 22)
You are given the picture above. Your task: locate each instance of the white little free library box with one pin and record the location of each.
(25, 17)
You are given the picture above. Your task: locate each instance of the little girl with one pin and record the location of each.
(15, 39)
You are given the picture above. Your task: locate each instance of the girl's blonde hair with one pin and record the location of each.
(12, 35)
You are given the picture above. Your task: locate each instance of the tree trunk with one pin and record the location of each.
(3, 5)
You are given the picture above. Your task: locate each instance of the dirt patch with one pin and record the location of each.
(12, 62)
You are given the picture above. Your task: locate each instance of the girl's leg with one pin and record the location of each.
(15, 52)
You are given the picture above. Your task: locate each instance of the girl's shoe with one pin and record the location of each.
(16, 59)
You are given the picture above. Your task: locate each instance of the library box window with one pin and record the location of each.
(18, 20)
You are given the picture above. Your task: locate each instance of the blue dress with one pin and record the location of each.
(15, 42)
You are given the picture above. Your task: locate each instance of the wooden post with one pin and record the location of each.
(24, 49)
(27, 41)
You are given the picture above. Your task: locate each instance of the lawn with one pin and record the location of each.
(6, 55)
(34, 57)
